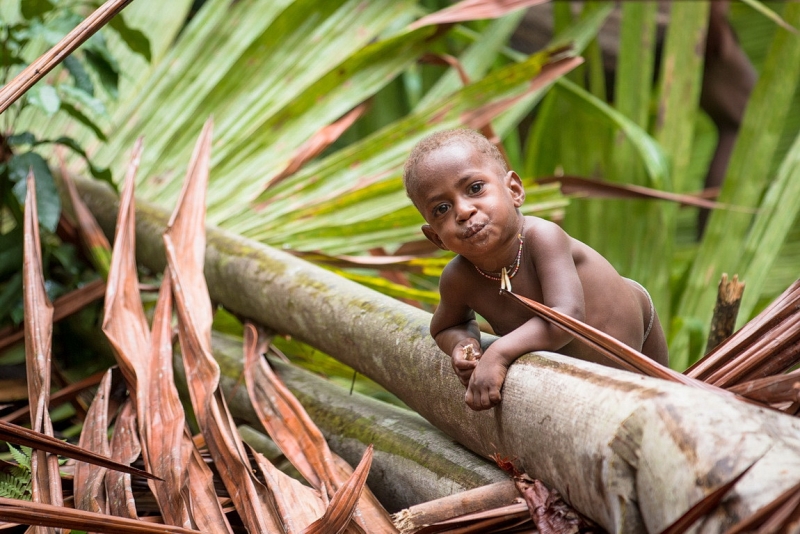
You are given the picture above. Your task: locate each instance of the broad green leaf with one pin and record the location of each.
(101, 174)
(76, 96)
(105, 70)
(79, 74)
(44, 97)
(10, 252)
(648, 149)
(11, 299)
(135, 39)
(47, 199)
(76, 114)
(36, 8)
(773, 222)
(23, 138)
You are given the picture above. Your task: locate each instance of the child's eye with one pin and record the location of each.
(441, 209)
(476, 188)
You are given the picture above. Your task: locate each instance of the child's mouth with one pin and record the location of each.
(472, 230)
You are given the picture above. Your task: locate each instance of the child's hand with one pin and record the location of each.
(465, 358)
(483, 390)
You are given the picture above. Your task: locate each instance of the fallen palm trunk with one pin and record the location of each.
(632, 453)
(413, 461)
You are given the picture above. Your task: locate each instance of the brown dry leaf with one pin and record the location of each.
(184, 242)
(30, 513)
(387, 263)
(548, 510)
(166, 450)
(125, 449)
(296, 504)
(771, 389)
(316, 144)
(493, 520)
(36, 440)
(571, 185)
(343, 504)
(284, 418)
(204, 505)
(45, 479)
(89, 489)
(474, 10)
(124, 322)
(289, 425)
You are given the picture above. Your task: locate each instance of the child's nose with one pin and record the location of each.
(464, 210)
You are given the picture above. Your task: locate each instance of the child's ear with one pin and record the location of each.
(514, 184)
(433, 237)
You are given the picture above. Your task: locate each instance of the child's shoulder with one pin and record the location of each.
(542, 230)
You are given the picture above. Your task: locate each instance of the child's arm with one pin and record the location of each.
(454, 327)
(550, 248)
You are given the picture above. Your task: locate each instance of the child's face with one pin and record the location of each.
(469, 202)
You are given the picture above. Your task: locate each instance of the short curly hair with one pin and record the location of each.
(443, 138)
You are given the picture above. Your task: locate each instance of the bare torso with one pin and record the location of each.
(613, 304)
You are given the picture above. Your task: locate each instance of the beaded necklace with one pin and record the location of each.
(504, 272)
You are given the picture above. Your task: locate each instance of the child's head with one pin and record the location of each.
(460, 184)
(411, 179)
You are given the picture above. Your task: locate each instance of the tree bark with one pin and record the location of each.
(729, 296)
(631, 452)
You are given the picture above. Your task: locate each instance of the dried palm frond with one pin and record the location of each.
(89, 480)
(184, 242)
(34, 72)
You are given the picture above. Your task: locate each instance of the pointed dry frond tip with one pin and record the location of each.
(34, 72)
(343, 504)
(124, 321)
(38, 313)
(467, 10)
(185, 238)
(184, 243)
(23, 436)
(297, 504)
(29, 513)
(89, 482)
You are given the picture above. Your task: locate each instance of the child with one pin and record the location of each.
(459, 182)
